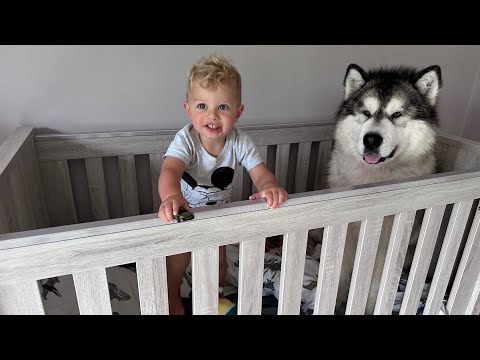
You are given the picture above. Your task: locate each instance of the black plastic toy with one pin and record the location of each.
(183, 215)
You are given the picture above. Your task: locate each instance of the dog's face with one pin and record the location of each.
(388, 114)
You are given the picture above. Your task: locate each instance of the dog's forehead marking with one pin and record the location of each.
(371, 103)
(395, 104)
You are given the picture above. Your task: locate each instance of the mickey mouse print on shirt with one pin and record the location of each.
(220, 192)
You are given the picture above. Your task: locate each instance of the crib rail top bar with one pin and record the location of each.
(13, 143)
(209, 229)
(94, 135)
(84, 230)
(460, 142)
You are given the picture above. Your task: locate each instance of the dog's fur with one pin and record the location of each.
(386, 130)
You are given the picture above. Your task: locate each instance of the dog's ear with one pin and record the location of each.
(428, 82)
(355, 78)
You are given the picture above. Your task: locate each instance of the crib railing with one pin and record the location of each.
(85, 250)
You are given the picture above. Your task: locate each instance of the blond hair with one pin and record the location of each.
(212, 72)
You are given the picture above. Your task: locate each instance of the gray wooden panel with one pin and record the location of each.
(421, 259)
(301, 171)
(21, 299)
(205, 281)
(22, 205)
(156, 162)
(291, 277)
(82, 146)
(237, 183)
(58, 192)
(468, 272)
(325, 152)
(128, 181)
(473, 306)
(462, 143)
(92, 292)
(127, 240)
(281, 164)
(394, 259)
(152, 286)
(250, 277)
(263, 150)
(329, 271)
(363, 266)
(448, 254)
(96, 188)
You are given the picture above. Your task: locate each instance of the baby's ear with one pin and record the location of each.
(354, 79)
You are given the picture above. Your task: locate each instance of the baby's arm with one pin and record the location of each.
(267, 186)
(169, 188)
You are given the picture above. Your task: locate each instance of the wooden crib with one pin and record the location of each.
(77, 204)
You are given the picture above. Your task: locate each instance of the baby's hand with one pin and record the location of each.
(170, 207)
(275, 196)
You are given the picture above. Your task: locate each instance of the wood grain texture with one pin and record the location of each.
(421, 259)
(21, 299)
(250, 277)
(96, 188)
(446, 260)
(468, 273)
(93, 246)
(205, 281)
(92, 292)
(58, 192)
(363, 266)
(128, 183)
(291, 276)
(395, 257)
(152, 286)
(329, 271)
(156, 162)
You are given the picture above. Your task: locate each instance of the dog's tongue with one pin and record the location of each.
(371, 158)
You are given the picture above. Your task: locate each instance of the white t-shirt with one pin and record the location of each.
(208, 180)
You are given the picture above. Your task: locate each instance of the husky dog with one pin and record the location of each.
(386, 130)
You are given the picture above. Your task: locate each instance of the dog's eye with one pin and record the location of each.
(367, 113)
(396, 114)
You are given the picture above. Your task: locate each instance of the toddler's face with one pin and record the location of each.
(213, 112)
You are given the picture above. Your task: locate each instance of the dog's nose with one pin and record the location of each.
(372, 141)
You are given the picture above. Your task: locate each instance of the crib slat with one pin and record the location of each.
(58, 192)
(21, 299)
(250, 277)
(263, 150)
(128, 181)
(329, 271)
(363, 266)
(205, 281)
(96, 187)
(301, 170)
(152, 286)
(448, 254)
(473, 307)
(156, 162)
(395, 257)
(421, 259)
(291, 276)
(237, 183)
(468, 272)
(322, 164)
(281, 164)
(92, 292)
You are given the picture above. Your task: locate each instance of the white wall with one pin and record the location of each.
(116, 88)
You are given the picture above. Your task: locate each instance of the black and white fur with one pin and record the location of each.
(386, 130)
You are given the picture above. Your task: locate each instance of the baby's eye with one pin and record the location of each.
(201, 106)
(367, 113)
(223, 107)
(396, 114)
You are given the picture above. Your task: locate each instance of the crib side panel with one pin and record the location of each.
(112, 185)
(455, 153)
(22, 205)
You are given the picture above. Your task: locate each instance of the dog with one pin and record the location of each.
(386, 129)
